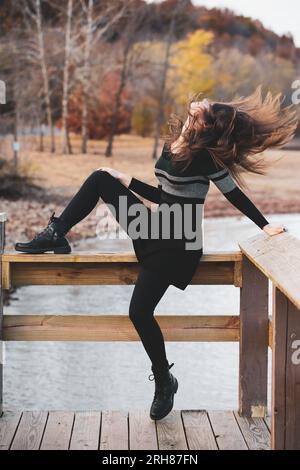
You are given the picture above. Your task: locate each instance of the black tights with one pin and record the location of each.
(149, 287)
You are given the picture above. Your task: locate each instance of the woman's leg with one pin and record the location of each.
(99, 184)
(148, 290)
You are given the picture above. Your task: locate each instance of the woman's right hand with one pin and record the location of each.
(122, 177)
(274, 230)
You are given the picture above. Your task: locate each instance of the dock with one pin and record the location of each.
(259, 261)
(133, 430)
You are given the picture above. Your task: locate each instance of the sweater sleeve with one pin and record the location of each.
(225, 183)
(145, 190)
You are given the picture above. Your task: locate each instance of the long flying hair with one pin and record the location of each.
(233, 132)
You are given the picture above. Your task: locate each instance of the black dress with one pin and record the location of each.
(176, 258)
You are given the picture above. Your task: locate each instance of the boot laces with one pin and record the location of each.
(49, 230)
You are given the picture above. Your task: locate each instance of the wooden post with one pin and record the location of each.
(254, 324)
(285, 373)
(2, 243)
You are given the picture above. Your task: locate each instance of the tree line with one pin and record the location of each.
(101, 68)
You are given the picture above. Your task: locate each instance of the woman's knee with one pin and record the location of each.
(99, 174)
(138, 313)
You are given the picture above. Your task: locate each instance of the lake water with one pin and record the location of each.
(112, 375)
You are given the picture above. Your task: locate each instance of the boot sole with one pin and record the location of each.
(37, 251)
(155, 418)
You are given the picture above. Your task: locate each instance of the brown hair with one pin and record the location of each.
(233, 131)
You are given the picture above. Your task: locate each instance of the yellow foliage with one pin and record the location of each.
(191, 66)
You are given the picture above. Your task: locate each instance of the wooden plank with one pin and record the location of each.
(278, 257)
(6, 275)
(105, 257)
(114, 430)
(254, 340)
(142, 431)
(279, 360)
(2, 244)
(117, 328)
(226, 430)
(86, 430)
(255, 432)
(292, 402)
(170, 432)
(24, 274)
(238, 275)
(58, 430)
(198, 430)
(9, 422)
(30, 431)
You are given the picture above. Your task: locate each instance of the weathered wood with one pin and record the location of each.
(24, 274)
(198, 430)
(5, 276)
(93, 269)
(117, 328)
(106, 257)
(292, 402)
(9, 422)
(114, 430)
(30, 431)
(86, 430)
(142, 431)
(255, 432)
(226, 430)
(192, 429)
(285, 373)
(58, 430)
(2, 244)
(254, 340)
(170, 432)
(278, 257)
(238, 276)
(279, 360)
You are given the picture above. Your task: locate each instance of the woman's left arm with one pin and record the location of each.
(225, 183)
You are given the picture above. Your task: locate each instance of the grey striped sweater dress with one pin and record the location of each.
(169, 257)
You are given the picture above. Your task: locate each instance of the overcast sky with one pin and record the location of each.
(281, 16)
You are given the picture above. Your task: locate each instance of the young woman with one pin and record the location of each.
(214, 143)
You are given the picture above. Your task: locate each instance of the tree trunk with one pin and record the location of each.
(108, 152)
(42, 59)
(86, 77)
(66, 148)
(161, 101)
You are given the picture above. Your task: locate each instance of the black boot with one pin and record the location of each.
(50, 239)
(166, 386)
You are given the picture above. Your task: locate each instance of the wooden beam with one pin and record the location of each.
(254, 340)
(2, 243)
(278, 257)
(117, 328)
(24, 274)
(285, 374)
(110, 269)
(279, 359)
(109, 257)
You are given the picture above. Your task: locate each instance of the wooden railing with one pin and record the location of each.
(261, 258)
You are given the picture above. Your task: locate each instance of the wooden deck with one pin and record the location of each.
(134, 430)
